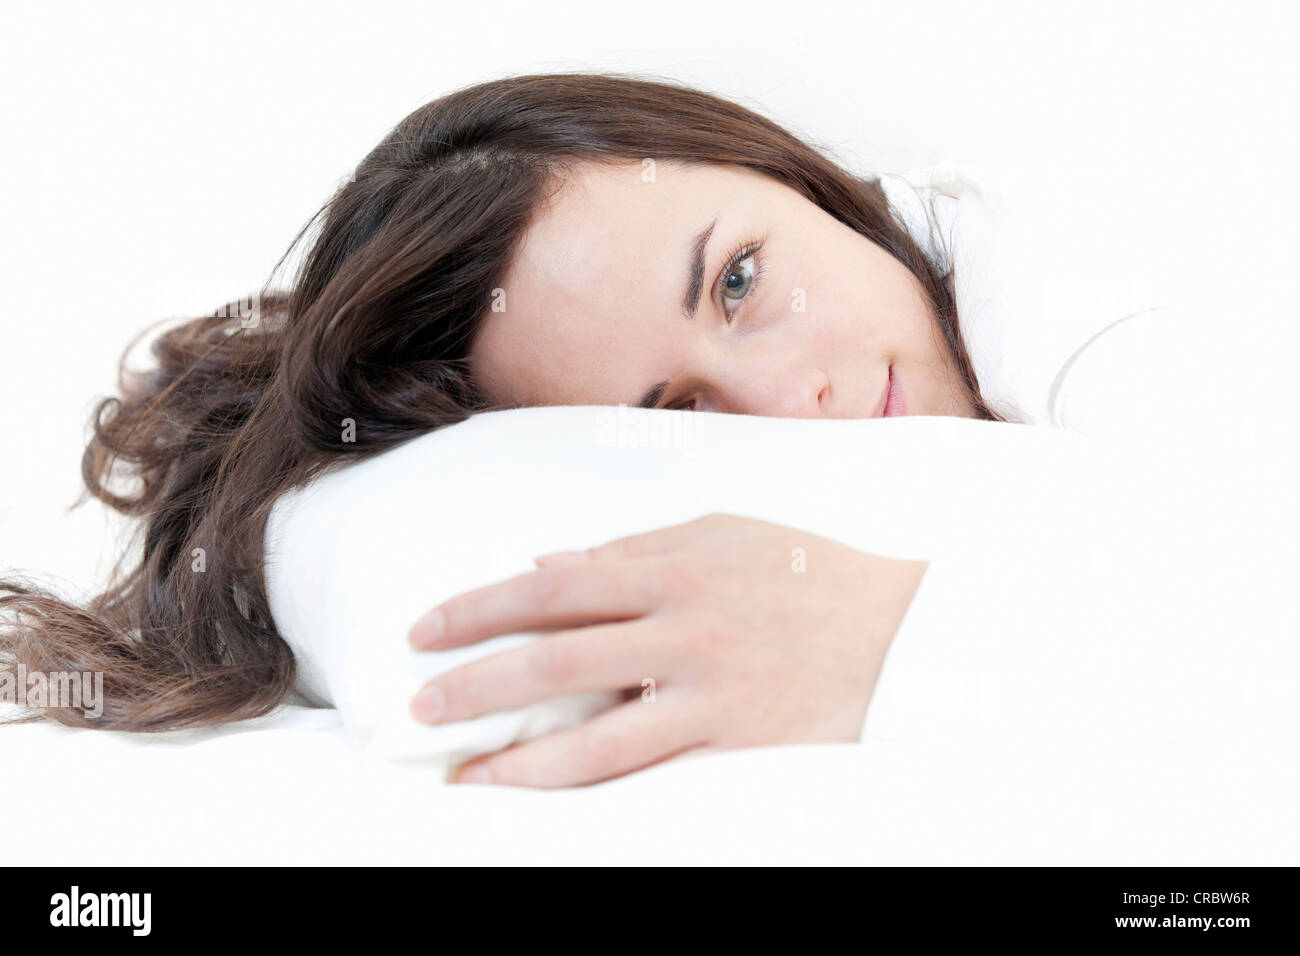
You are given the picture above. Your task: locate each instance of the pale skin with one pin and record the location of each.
(744, 650)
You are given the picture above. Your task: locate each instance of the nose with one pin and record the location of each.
(784, 393)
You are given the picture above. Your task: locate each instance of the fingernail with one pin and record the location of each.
(476, 774)
(429, 629)
(429, 704)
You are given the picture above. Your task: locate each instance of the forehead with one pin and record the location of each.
(603, 214)
(593, 291)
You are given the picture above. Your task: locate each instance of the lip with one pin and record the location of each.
(884, 399)
(895, 405)
(891, 403)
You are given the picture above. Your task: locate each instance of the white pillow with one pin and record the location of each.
(356, 557)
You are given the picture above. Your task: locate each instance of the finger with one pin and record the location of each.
(601, 657)
(629, 737)
(566, 596)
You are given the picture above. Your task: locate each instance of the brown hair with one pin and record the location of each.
(375, 328)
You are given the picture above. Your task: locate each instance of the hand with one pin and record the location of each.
(751, 633)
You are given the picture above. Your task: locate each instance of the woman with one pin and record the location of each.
(551, 239)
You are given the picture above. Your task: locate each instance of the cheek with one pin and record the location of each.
(905, 314)
(848, 284)
(846, 311)
(864, 309)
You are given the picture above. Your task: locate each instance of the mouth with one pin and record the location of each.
(891, 403)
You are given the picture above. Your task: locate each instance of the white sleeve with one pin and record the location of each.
(1174, 374)
(914, 686)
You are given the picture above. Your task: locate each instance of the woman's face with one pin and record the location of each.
(625, 291)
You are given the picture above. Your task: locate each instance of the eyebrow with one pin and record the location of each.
(695, 271)
(690, 300)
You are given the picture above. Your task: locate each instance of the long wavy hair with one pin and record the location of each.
(366, 349)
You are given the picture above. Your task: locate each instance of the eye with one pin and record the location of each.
(739, 277)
